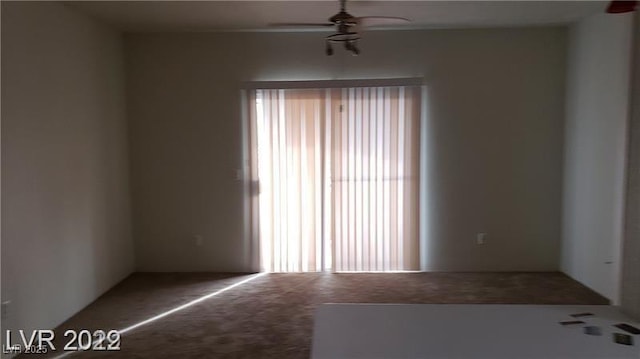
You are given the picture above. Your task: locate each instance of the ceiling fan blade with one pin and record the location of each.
(371, 21)
(620, 6)
(301, 24)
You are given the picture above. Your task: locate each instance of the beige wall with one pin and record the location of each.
(630, 300)
(495, 116)
(595, 150)
(65, 201)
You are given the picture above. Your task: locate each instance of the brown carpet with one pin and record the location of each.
(272, 315)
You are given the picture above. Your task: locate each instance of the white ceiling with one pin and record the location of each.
(135, 16)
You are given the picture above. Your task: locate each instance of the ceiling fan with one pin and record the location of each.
(348, 28)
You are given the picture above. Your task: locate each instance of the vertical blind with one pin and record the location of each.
(337, 178)
(374, 175)
(289, 125)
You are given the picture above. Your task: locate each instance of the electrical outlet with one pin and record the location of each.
(199, 240)
(481, 238)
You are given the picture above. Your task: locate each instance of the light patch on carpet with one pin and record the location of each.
(174, 310)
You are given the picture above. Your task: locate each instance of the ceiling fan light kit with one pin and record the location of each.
(350, 40)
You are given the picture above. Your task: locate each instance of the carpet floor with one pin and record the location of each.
(271, 315)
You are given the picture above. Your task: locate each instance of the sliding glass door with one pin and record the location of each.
(337, 178)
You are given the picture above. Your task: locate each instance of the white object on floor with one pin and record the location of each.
(496, 331)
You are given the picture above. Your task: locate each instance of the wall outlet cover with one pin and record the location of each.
(481, 238)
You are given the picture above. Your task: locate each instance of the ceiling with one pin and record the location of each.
(141, 16)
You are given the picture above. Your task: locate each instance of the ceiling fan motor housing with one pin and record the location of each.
(343, 17)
